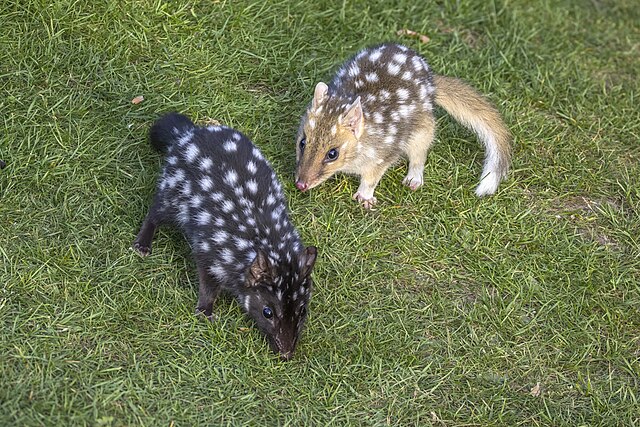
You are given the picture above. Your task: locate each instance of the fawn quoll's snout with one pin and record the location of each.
(302, 186)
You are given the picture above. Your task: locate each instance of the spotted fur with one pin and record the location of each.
(379, 108)
(220, 191)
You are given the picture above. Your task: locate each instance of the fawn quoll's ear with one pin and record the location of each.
(259, 270)
(353, 118)
(307, 260)
(319, 95)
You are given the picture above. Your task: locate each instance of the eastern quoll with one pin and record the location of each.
(220, 191)
(379, 107)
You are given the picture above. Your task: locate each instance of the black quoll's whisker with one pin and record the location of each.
(220, 191)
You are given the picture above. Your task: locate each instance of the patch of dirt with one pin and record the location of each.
(584, 212)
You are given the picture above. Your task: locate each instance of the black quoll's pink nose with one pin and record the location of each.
(302, 186)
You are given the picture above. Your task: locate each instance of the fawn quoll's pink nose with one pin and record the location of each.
(302, 186)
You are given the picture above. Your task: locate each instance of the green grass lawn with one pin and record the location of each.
(436, 309)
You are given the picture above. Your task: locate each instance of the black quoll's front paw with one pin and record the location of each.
(208, 314)
(142, 250)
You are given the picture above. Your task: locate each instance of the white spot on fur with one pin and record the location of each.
(220, 236)
(191, 152)
(246, 303)
(407, 75)
(172, 160)
(205, 164)
(218, 272)
(384, 94)
(230, 146)
(206, 183)
(389, 139)
(418, 63)
(195, 201)
(241, 244)
(402, 93)
(393, 68)
(406, 110)
(354, 70)
(312, 123)
(185, 190)
(251, 167)
(183, 214)
(214, 128)
(231, 177)
(203, 218)
(204, 246)
(334, 130)
(178, 175)
(227, 206)
(236, 136)
(371, 77)
(400, 57)
(423, 92)
(252, 186)
(378, 117)
(185, 138)
(375, 55)
(257, 154)
(227, 256)
(217, 196)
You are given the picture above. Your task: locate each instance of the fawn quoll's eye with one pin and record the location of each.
(267, 312)
(303, 142)
(332, 154)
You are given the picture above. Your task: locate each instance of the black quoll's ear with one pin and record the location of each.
(319, 95)
(307, 260)
(353, 118)
(259, 270)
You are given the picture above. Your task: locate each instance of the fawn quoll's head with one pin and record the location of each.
(278, 297)
(327, 138)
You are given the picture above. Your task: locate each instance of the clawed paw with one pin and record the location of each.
(141, 249)
(412, 182)
(367, 203)
(200, 312)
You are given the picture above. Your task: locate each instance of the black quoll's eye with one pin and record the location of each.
(332, 154)
(267, 312)
(303, 143)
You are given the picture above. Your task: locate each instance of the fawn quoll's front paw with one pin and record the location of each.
(413, 182)
(367, 203)
(208, 313)
(142, 250)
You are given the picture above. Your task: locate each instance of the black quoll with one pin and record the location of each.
(220, 191)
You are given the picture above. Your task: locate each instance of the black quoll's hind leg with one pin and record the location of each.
(142, 244)
(208, 291)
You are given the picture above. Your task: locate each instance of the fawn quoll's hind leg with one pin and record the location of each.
(416, 150)
(369, 180)
(142, 244)
(208, 291)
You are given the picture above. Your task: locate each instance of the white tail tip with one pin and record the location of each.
(488, 185)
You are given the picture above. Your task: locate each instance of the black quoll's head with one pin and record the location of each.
(277, 297)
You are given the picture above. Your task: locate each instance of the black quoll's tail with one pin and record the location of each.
(168, 129)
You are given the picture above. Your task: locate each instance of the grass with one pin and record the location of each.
(437, 309)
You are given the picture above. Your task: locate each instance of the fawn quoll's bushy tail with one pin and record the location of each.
(168, 129)
(474, 111)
